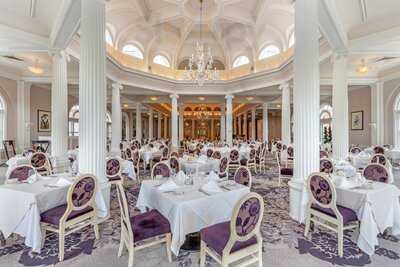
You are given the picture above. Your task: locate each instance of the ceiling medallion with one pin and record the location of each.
(201, 62)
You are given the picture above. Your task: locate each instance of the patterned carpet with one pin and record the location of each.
(283, 242)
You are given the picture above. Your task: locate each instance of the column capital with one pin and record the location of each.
(339, 55)
(117, 86)
(174, 96)
(229, 97)
(284, 85)
(265, 105)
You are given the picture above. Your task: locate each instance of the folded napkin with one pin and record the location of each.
(62, 182)
(169, 185)
(211, 187)
(212, 176)
(181, 177)
(32, 179)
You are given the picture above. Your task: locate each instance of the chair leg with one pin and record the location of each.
(307, 227)
(131, 255)
(340, 241)
(260, 262)
(61, 240)
(43, 236)
(121, 247)
(224, 263)
(202, 254)
(168, 247)
(96, 230)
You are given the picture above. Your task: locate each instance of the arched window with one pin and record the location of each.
(73, 122)
(269, 51)
(109, 39)
(133, 51)
(241, 60)
(161, 60)
(325, 115)
(291, 40)
(2, 119)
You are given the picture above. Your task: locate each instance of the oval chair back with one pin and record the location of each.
(223, 168)
(326, 166)
(290, 152)
(279, 146)
(323, 154)
(82, 193)
(322, 192)
(216, 155)
(160, 169)
(243, 176)
(246, 221)
(128, 153)
(355, 150)
(234, 156)
(380, 159)
(252, 155)
(197, 151)
(165, 153)
(113, 170)
(376, 172)
(21, 173)
(209, 152)
(174, 164)
(379, 150)
(40, 162)
(175, 154)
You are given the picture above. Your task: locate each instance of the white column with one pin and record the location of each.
(151, 124)
(159, 125)
(234, 125)
(23, 115)
(253, 124)
(116, 118)
(245, 126)
(181, 111)
(265, 122)
(340, 104)
(59, 106)
(229, 99)
(223, 122)
(306, 104)
(174, 121)
(165, 127)
(377, 114)
(285, 87)
(92, 98)
(138, 122)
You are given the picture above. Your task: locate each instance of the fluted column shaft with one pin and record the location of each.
(265, 122)
(181, 111)
(253, 124)
(92, 98)
(285, 87)
(229, 99)
(23, 115)
(306, 96)
(138, 122)
(234, 125)
(116, 121)
(223, 125)
(340, 104)
(174, 121)
(151, 124)
(239, 118)
(212, 129)
(245, 126)
(377, 114)
(165, 127)
(159, 125)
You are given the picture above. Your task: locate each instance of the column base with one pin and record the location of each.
(103, 206)
(296, 199)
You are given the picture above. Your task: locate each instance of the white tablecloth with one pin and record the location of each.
(21, 205)
(192, 211)
(393, 154)
(199, 165)
(377, 209)
(148, 154)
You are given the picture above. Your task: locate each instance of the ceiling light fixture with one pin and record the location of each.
(202, 98)
(201, 62)
(153, 98)
(249, 98)
(126, 105)
(35, 68)
(363, 68)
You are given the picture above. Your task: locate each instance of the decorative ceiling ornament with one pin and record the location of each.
(201, 62)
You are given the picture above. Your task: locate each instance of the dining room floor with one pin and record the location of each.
(283, 241)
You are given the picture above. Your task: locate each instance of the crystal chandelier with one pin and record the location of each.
(201, 62)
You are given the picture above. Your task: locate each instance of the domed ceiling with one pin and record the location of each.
(231, 28)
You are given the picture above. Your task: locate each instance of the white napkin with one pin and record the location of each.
(154, 149)
(61, 183)
(32, 179)
(169, 185)
(202, 159)
(211, 187)
(212, 176)
(363, 154)
(181, 176)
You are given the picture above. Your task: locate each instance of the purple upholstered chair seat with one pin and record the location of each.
(287, 171)
(149, 224)
(116, 178)
(244, 162)
(217, 235)
(222, 175)
(54, 215)
(348, 214)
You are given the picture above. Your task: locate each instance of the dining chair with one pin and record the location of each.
(238, 239)
(114, 171)
(233, 162)
(79, 212)
(128, 153)
(136, 160)
(197, 151)
(322, 209)
(260, 160)
(165, 153)
(209, 153)
(9, 148)
(251, 162)
(142, 230)
(243, 176)
(41, 163)
(21, 173)
(223, 168)
(174, 154)
(376, 172)
(326, 166)
(355, 150)
(160, 169)
(289, 156)
(284, 172)
(379, 150)
(174, 164)
(323, 154)
(380, 159)
(216, 155)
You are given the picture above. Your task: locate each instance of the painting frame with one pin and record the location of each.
(357, 120)
(44, 121)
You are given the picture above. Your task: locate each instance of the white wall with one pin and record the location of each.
(360, 100)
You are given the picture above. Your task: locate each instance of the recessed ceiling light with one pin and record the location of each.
(201, 98)
(153, 98)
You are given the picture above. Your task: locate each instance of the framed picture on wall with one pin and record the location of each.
(357, 120)
(44, 121)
